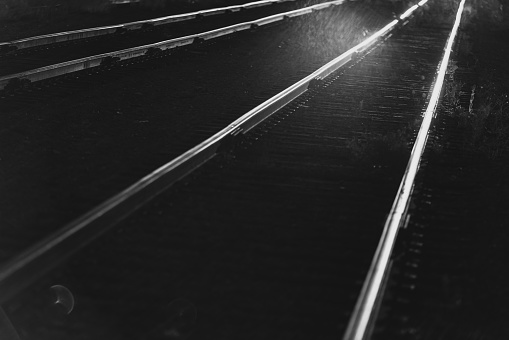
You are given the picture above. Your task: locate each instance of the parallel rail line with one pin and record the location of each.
(362, 318)
(111, 57)
(47, 39)
(47, 254)
(171, 172)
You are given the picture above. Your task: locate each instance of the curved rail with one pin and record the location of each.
(363, 316)
(104, 30)
(106, 58)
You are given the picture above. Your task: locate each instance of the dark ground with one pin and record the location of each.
(471, 302)
(256, 292)
(69, 147)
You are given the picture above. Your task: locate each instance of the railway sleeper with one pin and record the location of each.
(316, 83)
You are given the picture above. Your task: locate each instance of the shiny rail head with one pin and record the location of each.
(47, 39)
(363, 314)
(93, 61)
(28, 265)
(408, 12)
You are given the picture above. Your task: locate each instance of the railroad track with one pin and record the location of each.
(50, 39)
(251, 242)
(34, 59)
(446, 274)
(69, 147)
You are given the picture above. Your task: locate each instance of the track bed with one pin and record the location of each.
(271, 238)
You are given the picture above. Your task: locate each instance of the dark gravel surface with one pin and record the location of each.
(269, 241)
(450, 280)
(75, 142)
(29, 59)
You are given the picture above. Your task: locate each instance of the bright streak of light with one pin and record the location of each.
(328, 68)
(408, 12)
(373, 37)
(372, 286)
(422, 2)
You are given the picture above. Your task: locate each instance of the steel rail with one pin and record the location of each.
(47, 39)
(133, 52)
(34, 262)
(363, 318)
(121, 2)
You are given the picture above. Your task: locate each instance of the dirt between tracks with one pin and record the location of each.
(66, 149)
